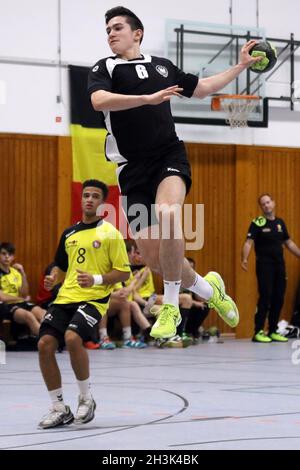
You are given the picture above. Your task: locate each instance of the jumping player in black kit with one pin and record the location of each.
(268, 233)
(133, 91)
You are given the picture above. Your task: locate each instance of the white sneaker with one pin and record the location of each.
(57, 417)
(85, 411)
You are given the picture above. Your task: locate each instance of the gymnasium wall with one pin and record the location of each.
(29, 31)
(227, 180)
(35, 207)
(35, 198)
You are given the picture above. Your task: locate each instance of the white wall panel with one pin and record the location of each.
(29, 29)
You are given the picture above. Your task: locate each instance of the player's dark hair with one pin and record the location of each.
(134, 22)
(129, 244)
(96, 184)
(9, 247)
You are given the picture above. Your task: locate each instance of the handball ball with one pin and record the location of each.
(213, 331)
(269, 54)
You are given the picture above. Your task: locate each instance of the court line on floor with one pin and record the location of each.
(125, 428)
(159, 422)
(236, 440)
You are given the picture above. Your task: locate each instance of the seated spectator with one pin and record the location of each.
(146, 297)
(4, 312)
(123, 305)
(5, 323)
(144, 290)
(193, 312)
(14, 292)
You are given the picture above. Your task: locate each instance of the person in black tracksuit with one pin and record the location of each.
(269, 234)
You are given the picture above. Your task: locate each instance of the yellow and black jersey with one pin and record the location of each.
(11, 283)
(96, 248)
(147, 288)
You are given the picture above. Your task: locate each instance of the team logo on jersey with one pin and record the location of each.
(266, 230)
(96, 244)
(96, 68)
(173, 169)
(71, 243)
(279, 228)
(162, 70)
(260, 221)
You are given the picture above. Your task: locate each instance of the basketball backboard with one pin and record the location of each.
(207, 49)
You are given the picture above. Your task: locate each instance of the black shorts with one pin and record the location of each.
(83, 318)
(139, 181)
(4, 312)
(24, 305)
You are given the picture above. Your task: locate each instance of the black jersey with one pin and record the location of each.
(145, 131)
(268, 236)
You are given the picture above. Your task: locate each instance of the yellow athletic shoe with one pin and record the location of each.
(220, 301)
(168, 319)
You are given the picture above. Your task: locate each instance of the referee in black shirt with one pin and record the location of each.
(133, 91)
(269, 234)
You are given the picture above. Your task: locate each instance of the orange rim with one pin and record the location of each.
(217, 100)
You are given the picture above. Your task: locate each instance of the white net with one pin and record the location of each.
(238, 110)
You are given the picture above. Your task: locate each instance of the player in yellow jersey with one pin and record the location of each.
(90, 259)
(14, 292)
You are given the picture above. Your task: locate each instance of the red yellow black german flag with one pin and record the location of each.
(88, 139)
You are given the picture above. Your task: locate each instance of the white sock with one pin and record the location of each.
(56, 397)
(85, 388)
(127, 333)
(171, 292)
(103, 333)
(201, 287)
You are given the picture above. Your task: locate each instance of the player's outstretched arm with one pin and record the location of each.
(107, 101)
(208, 86)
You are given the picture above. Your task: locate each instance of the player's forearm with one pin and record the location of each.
(139, 299)
(246, 251)
(58, 275)
(9, 298)
(293, 248)
(114, 277)
(132, 286)
(140, 280)
(24, 290)
(106, 101)
(208, 86)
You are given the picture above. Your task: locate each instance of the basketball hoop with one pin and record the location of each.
(236, 107)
